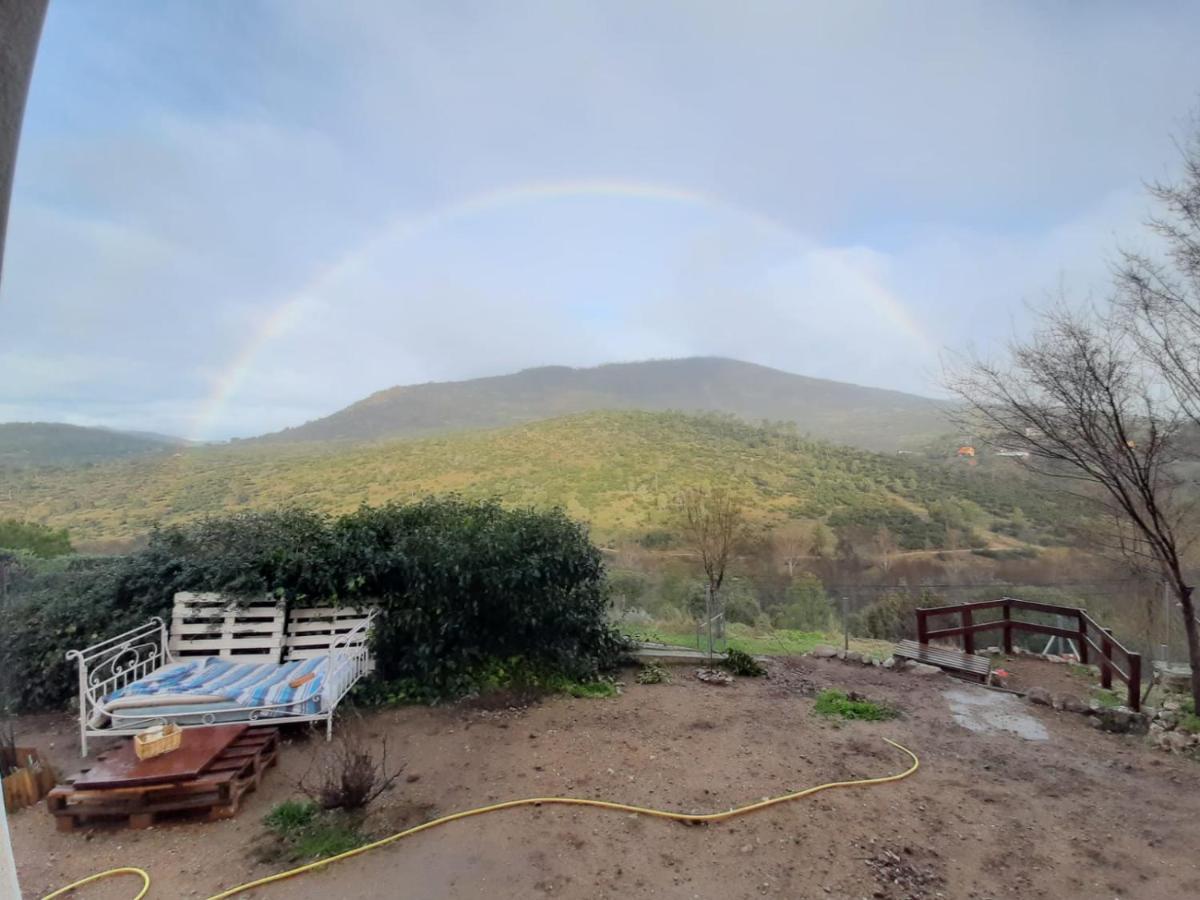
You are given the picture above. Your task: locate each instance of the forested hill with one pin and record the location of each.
(622, 472)
(54, 444)
(842, 413)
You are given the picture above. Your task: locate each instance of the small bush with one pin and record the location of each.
(349, 774)
(652, 673)
(840, 705)
(741, 663)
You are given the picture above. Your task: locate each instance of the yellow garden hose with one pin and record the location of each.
(688, 818)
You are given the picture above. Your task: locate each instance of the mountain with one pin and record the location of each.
(871, 418)
(620, 471)
(24, 444)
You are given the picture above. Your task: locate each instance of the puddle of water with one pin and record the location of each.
(989, 712)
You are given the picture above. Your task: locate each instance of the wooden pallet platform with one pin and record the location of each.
(215, 794)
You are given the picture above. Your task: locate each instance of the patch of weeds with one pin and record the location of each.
(304, 832)
(838, 704)
(600, 689)
(1189, 722)
(1107, 698)
(652, 673)
(742, 663)
(1079, 670)
(291, 816)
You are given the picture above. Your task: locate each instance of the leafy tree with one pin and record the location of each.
(806, 606)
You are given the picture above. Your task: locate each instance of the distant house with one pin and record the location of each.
(966, 451)
(1020, 454)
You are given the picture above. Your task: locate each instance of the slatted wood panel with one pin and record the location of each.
(954, 660)
(312, 631)
(213, 625)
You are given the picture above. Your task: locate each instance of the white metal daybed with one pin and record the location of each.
(220, 663)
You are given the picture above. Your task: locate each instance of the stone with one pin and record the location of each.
(889, 663)
(841, 654)
(922, 669)
(1173, 741)
(1038, 695)
(1120, 720)
(823, 651)
(1069, 703)
(853, 657)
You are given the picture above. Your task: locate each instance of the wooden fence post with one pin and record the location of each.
(968, 637)
(1105, 658)
(1083, 644)
(922, 627)
(1135, 682)
(1008, 647)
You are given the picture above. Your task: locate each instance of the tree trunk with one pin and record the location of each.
(1192, 630)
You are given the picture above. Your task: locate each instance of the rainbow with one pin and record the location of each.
(405, 228)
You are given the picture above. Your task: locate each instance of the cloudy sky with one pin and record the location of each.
(234, 216)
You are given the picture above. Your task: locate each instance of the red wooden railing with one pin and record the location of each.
(1112, 656)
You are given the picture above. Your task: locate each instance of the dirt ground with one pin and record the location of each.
(1082, 814)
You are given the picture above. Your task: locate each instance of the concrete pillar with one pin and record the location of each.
(20, 28)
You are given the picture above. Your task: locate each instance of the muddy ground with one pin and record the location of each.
(990, 814)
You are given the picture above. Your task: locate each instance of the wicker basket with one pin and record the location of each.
(157, 740)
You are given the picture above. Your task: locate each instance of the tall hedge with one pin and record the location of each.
(458, 582)
(461, 582)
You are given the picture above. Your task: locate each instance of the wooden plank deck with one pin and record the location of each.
(968, 664)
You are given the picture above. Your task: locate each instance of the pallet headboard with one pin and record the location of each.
(311, 631)
(213, 625)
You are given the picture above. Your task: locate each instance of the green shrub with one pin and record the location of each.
(741, 663)
(652, 673)
(460, 584)
(37, 539)
(837, 704)
(892, 617)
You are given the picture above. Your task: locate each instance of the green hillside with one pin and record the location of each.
(25, 444)
(619, 471)
(825, 410)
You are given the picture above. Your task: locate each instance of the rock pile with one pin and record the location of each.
(1171, 729)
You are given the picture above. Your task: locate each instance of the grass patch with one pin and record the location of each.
(1107, 698)
(304, 832)
(837, 704)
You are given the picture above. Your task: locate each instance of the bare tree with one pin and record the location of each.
(792, 542)
(1158, 304)
(713, 523)
(1079, 399)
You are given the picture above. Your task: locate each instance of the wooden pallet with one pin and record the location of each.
(215, 794)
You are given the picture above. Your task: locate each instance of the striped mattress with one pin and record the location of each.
(226, 685)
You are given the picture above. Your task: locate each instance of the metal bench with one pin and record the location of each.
(968, 665)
